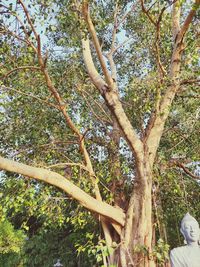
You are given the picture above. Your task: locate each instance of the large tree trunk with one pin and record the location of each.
(136, 238)
(138, 228)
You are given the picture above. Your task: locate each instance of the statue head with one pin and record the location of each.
(190, 229)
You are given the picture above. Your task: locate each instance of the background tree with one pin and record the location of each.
(114, 99)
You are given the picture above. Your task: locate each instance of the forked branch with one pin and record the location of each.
(87, 17)
(178, 32)
(108, 88)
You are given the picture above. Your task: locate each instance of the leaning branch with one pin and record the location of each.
(189, 18)
(113, 214)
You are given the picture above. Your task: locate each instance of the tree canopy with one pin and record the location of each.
(99, 99)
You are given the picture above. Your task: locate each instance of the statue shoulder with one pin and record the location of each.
(177, 256)
(180, 248)
(178, 251)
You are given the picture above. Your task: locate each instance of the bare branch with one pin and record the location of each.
(147, 13)
(99, 105)
(29, 18)
(27, 40)
(87, 17)
(72, 164)
(189, 18)
(21, 68)
(89, 63)
(15, 35)
(157, 46)
(112, 49)
(113, 69)
(113, 214)
(103, 121)
(185, 169)
(190, 81)
(156, 23)
(114, 28)
(122, 44)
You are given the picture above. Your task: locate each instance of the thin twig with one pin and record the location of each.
(32, 96)
(82, 91)
(186, 170)
(94, 113)
(63, 165)
(147, 13)
(21, 68)
(24, 30)
(15, 35)
(126, 15)
(189, 81)
(28, 18)
(114, 32)
(122, 44)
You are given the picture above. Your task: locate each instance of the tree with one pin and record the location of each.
(150, 86)
(11, 242)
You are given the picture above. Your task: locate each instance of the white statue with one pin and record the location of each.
(188, 255)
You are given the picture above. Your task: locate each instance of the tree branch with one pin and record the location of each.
(126, 15)
(122, 44)
(98, 105)
(155, 134)
(114, 32)
(23, 27)
(32, 96)
(65, 164)
(113, 214)
(186, 170)
(102, 120)
(15, 35)
(29, 18)
(94, 75)
(112, 100)
(189, 18)
(112, 49)
(92, 31)
(190, 81)
(147, 13)
(21, 68)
